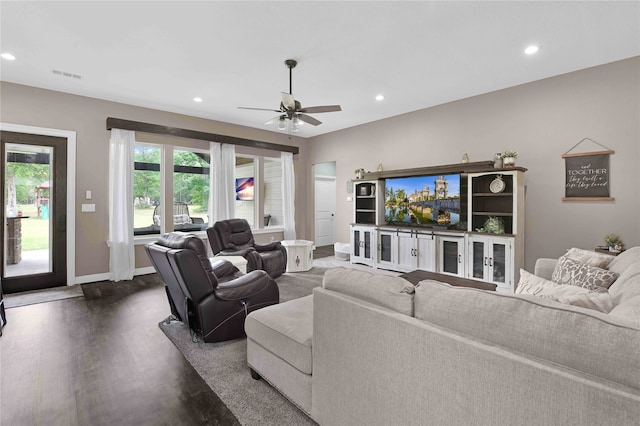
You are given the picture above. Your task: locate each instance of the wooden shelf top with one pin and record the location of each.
(474, 167)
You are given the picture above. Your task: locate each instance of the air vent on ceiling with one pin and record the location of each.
(67, 74)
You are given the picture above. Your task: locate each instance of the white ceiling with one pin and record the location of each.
(417, 54)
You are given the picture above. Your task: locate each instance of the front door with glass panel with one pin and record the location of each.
(34, 197)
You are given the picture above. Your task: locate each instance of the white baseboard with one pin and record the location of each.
(105, 277)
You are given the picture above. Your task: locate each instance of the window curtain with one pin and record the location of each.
(215, 177)
(288, 196)
(227, 181)
(121, 254)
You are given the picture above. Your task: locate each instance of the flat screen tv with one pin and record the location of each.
(244, 189)
(430, 201)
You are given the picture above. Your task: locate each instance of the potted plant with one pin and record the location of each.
(509, 158)
(359, 173)
(614, 242)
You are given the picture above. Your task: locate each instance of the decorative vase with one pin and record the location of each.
(359, 174)
(509, 162)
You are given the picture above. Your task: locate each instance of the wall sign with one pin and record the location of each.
(587, 175)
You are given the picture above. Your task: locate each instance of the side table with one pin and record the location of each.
(299, 255)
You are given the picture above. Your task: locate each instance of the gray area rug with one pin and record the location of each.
(15, 300)
(224, 368)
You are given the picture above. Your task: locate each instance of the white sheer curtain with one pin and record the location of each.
(288, 196)
(121, 255)
(227, 195)
(215, 178)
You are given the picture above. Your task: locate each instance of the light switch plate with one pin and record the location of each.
(88, 207)
(88, 195)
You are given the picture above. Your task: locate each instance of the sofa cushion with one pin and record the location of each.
(286, 330)
(629, 310)
(627, 285)
(590, 257)
(624, 260)
(597, 300)
(586, 340)
(394, 293)
(569, 271)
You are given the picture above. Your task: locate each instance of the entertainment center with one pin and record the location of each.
(463, 220)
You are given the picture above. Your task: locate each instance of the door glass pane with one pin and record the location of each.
(478, 259)
(499, 262)
(356, 243)
(385, 247)
(367, 245)
(28, 206)
(450, 257)
(245, 194)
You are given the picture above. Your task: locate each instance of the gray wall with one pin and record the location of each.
(87, 117)
(540, 120)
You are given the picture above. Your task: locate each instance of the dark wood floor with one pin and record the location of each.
(324, 251)
(101, 360)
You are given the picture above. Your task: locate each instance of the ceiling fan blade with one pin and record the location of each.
(260, 109)
(308, 119)
(287, 100)
(317, 109)
(274, 119)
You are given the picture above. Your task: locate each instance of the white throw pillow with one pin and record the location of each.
(589, 257)
(538, 286)
(569, 271)
(598, 299)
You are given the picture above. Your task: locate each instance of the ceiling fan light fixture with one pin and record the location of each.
(531, 49)
(282, 125)
(294, 124)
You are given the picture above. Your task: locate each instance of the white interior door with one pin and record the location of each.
(325, 209)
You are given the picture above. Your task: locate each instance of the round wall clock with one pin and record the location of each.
(497, 185)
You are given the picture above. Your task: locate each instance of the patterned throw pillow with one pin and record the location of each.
(600, 260)
(571, 272)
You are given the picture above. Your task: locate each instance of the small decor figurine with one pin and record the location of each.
(465, 158)
(359, 173)
(497, 160)
(509, 158)
(614, 243)
(380, 169)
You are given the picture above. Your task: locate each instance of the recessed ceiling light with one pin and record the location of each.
(379, 97)
(8, 56)
(531, 49)
(197, 99)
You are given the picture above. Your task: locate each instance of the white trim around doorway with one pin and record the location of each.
(71, 186)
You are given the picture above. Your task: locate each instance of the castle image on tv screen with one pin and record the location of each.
(423, 200)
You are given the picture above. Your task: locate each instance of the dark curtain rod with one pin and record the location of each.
(136, 126)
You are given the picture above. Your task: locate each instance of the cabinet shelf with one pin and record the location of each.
(365, 211)
(491, 194)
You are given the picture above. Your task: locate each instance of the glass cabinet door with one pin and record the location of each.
(499, 262)
(451, 256)
(479, 259)
(356, 242)
(386, 241)
(367, 244)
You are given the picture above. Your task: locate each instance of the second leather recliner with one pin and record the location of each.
(233, 237)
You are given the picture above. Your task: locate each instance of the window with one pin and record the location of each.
(190, 190)
(245, 174)
(146, 189)
(273, 215)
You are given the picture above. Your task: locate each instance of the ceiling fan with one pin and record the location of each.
(292, 110)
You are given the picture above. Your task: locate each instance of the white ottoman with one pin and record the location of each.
(279, 348)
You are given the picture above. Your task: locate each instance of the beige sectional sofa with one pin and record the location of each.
(368, 349)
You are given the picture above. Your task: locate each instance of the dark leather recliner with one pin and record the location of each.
(233, 237)
(213, 299)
